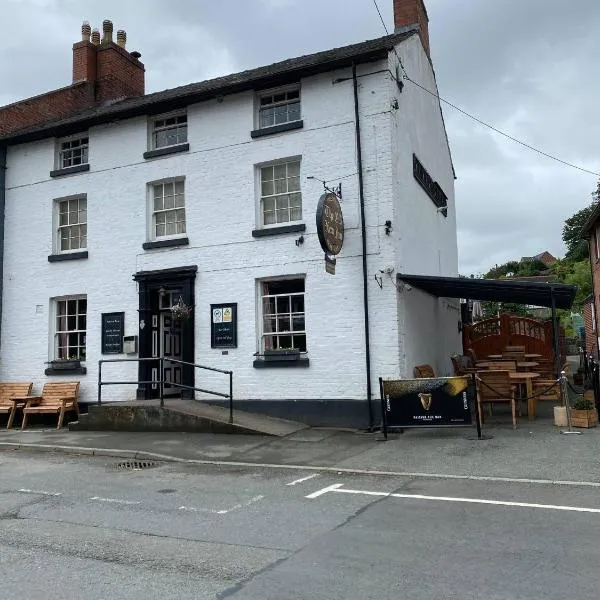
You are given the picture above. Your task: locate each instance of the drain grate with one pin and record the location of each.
(136, 465)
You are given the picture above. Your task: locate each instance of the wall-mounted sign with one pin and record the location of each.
(437, 402)
(330, 224)
(113, 329)
(223, 325)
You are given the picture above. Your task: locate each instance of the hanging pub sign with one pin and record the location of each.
(223, 325)
(113, 330)
(427, 402)
(330, 228)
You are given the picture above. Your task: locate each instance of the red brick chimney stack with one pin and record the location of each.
(84, 57)
(411, 14)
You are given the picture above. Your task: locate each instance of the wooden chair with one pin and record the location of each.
(547, 388)
(60, 398)
(462, 365)
(496, 386)
(11, 399)
(516, 356)
(470, 352)
(422, 371)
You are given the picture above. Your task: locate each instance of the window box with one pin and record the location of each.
(291, 354)
(65, 367)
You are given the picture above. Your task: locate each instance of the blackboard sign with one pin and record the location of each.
(430, 402)
(113, 329)
(223, 325)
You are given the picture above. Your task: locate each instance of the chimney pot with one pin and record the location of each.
(86, 31)
(122, 38)
(107, 28)
(96, 37)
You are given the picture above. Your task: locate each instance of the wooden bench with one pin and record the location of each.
(57, 398)
(12, 397)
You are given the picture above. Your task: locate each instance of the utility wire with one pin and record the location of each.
(477, 119)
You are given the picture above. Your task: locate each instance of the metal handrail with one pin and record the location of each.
(161, 382)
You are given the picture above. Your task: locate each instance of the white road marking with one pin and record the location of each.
(222, 511)
(337, 487)
(297, 481)
(329, 488)
(115, 500)
(39, 492)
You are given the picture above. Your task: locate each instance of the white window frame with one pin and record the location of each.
(151, 212)
(60, 152)
(261, 198)
(264, 94)
(152, 129)
(56, 224)
(56, 333)
(262, 346)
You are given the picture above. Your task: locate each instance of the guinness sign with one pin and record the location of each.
(330, 224)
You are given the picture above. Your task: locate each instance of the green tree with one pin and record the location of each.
(576, 243)
(580, 276)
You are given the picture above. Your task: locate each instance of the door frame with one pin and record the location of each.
(149, 283)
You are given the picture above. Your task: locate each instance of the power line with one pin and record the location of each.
(477, 119)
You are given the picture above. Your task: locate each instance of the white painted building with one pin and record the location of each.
(209, 193)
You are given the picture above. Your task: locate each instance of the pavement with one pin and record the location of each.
(536, 450)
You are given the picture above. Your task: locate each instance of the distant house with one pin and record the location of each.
(544, 257)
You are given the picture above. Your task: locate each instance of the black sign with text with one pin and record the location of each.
(113, 329)
(223, 325)
(435, 402)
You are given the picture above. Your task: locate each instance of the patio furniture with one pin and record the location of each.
(496, 386)
(514, 349)
(11, 399)
(462, 365)
(498, 365)
(424, 371)
(526, 379)
(58, 398)
(527, 365)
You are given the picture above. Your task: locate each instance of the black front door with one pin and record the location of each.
(163, 336)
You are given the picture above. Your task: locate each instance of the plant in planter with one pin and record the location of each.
(65, 364)
(181, 311)
(282, 354)
(584, 414)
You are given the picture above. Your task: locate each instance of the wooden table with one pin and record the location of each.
(527, 379)
(534, 356)
(494, 356)
(527, 364)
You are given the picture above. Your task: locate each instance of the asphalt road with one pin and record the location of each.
(80, 528)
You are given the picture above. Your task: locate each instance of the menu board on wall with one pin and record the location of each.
(113, 329)
(223, 325)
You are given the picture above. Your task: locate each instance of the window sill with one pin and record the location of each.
(70, 170)
(184, 241)
(266, 231)
(277, 129)
(260, 363)
(73, 371)
(166, 151)
(67, 256)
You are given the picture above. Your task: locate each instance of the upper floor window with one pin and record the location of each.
(169, 130)
(168, 208)
(279, 107)
(597, 238)
(280, 195)
(73, 152)
(71, 221)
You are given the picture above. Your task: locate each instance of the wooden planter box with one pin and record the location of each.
(66, 365)
(584, 418)
(281, 355)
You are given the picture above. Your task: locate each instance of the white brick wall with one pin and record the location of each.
(221, 213)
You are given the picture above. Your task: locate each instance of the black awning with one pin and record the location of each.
(496, 290)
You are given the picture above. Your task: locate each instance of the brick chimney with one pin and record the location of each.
(411, 14)
(84, 57)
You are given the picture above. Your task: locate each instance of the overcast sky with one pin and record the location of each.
(530, 67)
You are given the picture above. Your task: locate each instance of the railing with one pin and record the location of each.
(160, 382)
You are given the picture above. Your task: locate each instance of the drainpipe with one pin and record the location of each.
(2, 204)
(364, 244)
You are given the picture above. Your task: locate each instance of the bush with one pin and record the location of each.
(582, 404)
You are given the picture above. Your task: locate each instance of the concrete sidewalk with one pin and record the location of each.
(536, 450)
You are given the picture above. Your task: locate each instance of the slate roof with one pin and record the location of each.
(268, 76)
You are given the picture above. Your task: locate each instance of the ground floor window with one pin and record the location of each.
(283, 318)
(70, 329)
